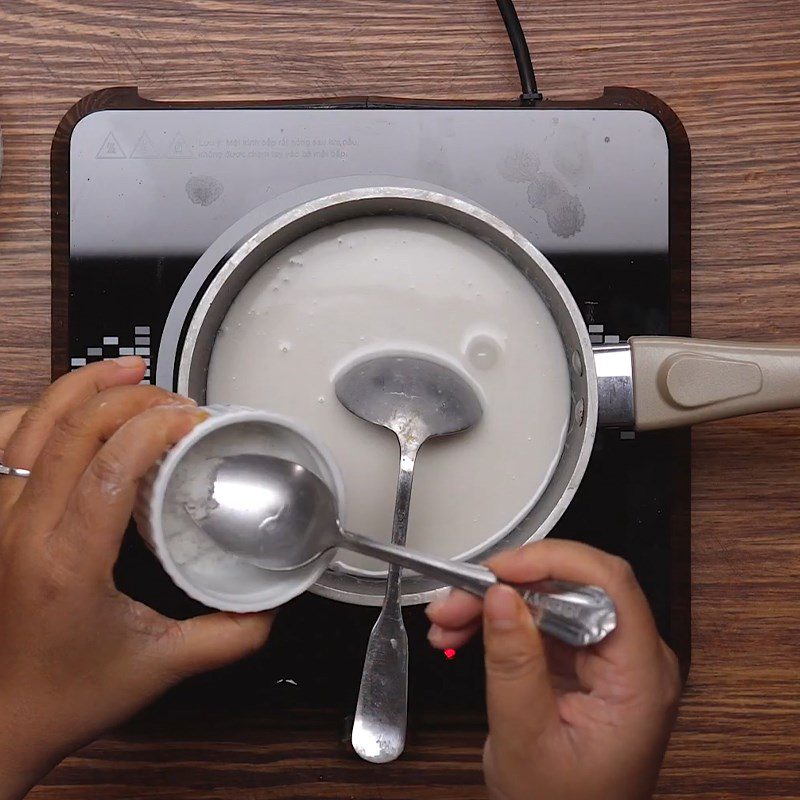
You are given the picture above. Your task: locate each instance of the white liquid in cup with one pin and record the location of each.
(397, 284)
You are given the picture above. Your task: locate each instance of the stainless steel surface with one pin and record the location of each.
(281, 516)
(473, 578)
(246, 258)
(413, 396)
(14, 472)
(417, 399)
(379, 724)
(614, 385)
(269, 511)
(578, 615)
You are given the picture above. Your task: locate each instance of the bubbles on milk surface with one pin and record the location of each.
(483, 351)
(468, 306)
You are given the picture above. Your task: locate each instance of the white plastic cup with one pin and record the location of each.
(194, 562)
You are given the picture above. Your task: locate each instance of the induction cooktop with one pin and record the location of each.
(143, 191)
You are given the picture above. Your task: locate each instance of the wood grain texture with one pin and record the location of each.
(731, 70)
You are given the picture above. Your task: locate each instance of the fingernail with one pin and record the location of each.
(434, 633)
(181, 401)
(438, 603)
(502, 608)
(128, 362)
(200, 416)
(186, 408)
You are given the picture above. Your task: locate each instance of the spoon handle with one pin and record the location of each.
(379, 724)
(576, 614)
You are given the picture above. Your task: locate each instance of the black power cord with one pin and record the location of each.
(530, 93)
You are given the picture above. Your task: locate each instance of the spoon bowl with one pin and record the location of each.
(269, 511)
(415, 397)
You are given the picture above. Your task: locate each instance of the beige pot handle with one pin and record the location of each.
(679, 382)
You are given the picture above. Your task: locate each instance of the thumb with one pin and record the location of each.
(520, 700)
(215, 640)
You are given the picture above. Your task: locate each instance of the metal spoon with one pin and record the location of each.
(417, 399)
(280, 516)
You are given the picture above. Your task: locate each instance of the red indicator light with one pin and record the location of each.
(449, 654)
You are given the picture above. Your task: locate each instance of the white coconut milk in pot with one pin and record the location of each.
(405, 284)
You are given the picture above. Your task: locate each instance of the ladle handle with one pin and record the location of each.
(576, 614)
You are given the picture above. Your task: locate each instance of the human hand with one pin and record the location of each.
(77, 656)
(567, 724)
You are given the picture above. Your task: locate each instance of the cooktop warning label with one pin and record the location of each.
(111, 148)
(285, 148)
(178, 147)
(144, 147)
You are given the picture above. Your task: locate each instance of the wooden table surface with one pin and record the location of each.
(730, 69)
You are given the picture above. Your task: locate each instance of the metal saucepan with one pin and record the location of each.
(646, 383)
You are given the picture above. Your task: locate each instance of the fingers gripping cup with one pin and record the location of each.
(193, 560)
